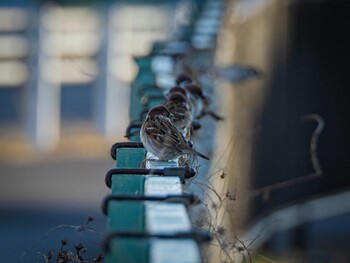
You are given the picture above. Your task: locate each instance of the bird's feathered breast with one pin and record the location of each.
(162, 130)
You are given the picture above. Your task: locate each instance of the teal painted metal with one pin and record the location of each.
(152, 90)
(128, 250)
(128, 215)
(136, 107)
(146, 88)
(144, 78)
(155, 102)
(136, 137)
(151, 95)
(130, 157)
(143, 62)
(127, 184)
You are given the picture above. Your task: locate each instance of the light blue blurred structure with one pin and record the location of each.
(74, 63)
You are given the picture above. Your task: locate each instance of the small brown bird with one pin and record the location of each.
(161, 138)
(183, 79)
(179, 107)
(176, 89)
(200, 103)
(235, 73)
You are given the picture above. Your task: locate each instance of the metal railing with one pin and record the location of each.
(147, 212)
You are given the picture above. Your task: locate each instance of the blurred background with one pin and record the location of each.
(65, 74)
(287, 209)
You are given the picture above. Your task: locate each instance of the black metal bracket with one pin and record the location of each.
(199, 236)
(124, 145)
(186, 199)
(132, 125)
(182, 172)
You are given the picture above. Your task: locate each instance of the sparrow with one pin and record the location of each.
(198, 100)
(176, 89)
(183, 67)
(200, 103)
(179, 107)
(161, 138)
(235, 73)
(183, 79)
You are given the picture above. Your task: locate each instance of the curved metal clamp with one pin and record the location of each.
(186, 199)
(182, 172)
(124, 145)
(132, 125)
(199, 236)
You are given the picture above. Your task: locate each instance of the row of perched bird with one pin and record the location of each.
(167, 128)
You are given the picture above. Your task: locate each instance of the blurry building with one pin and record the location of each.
(65, 73)
(64, 64)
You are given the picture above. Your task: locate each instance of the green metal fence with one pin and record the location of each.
(147, 208)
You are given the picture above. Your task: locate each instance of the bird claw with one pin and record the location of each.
(215, 116)
(196, 125)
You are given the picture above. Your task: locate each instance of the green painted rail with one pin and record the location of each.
(149, 231)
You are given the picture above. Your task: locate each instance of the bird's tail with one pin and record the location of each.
(192, 151)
